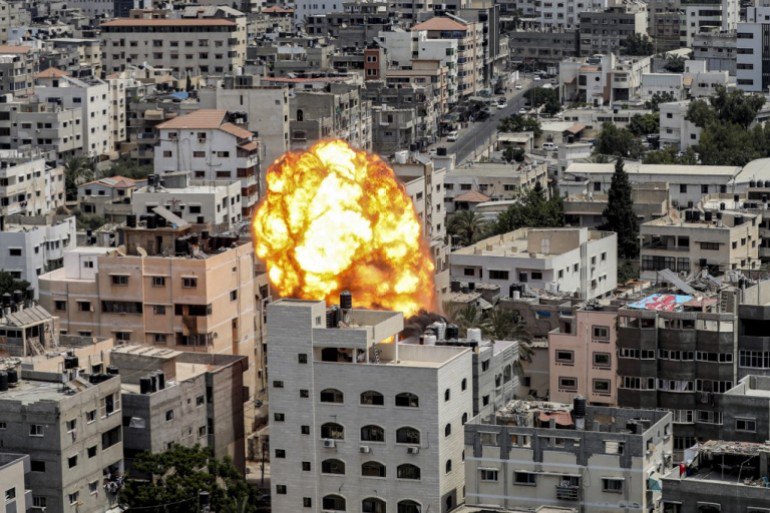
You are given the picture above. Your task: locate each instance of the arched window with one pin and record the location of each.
(448, 466)
(407, 399)
(373, 469)
(407, 435)
(447, 394)
(333, 467)
(332, 430)
(373, 505)
(334, 503)
(465, 417)
(408, 471)
(409, 506)
(448, 430)
(331, 395)
(372, 398)
(301, 117)
(464, 384)
(372, 433)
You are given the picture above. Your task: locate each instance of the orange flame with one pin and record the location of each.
(335, 218)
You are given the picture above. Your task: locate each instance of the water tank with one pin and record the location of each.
(738, 220)
(429, 340)
(152, 222)
(6, 300)
(154, 382)
(767, 183)
(688, 215)
(474, 334)
(161, 381)
(112, 370)
(18, 296)
(71, 362)
(145, 385)
(346, 300)
(441, 151)
(13, 376)
(696, 215)
(452, 332)
(579, 412)
(3, 381)
(332, 317)
(131, 221)
(752, 183)
(708, 216)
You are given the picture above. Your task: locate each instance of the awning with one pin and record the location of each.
(654, 483)
(562, 418)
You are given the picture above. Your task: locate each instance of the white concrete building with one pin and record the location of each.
(196, 201)
(675, 129)
(28, 185)
(31, 246)
(497, 180)
(212, 148)
(568, 260)
(552, 15)
(92, 96)
(700, 17)
(662, 83)
(751, 52)
(358, 422)
(13, 468)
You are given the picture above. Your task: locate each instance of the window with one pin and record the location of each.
(10, 494)
(73, 497)
(120, 279)
(524, 478)
(14, 252)
(35, 430)
(304, 393)
(373, 505)
(71, 425)
(38, 501)
(333, 503)
(91, 451)
(302, 358)
(159, 310)
(749, 425)
(279, 417)
(448, 430)
(485, 365)
(409, 506)
(305, 430)
(602, 360)
(488, 439)
(447, 394)
(280, 453)
(307, 502)
(612, 485)
(407, 435)
(408, 400)
(464, 384)
(37, 466)
(487, 475)
(306, 466)
(277, 384)
(408, 471)
(372, 469)
(711, 246)
(93, 487)
(569, 384)
(189, 283)
(331, 395)
(60, 306)
(682, 188)
(601, 386)
(498, 275)
(372, 398)
(333, 431)
(333, 467)
(233, 295)
(372, 433)
(280, 489)
(565, 357)
(158, 281)
(601, 332)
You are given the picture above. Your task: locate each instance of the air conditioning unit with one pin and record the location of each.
(365, 449)
(328, 443)
(413, 450)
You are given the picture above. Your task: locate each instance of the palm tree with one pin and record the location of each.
(465, 316)
(77, 171)
(466, 227)
(504, 325)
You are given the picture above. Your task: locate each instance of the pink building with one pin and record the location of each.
(582, 359)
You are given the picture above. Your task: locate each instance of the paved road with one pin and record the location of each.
(477, 134)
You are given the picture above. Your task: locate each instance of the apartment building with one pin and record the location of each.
(602, 79)
(53, 130)
(340, 111)
(567, 260)
(663, 24)
(172, 287)
(29, 185)
(750, 52)
(372, 420)
(266, 109)
(583, 358)
(675, 129)
(13, 468)
(497, 180)
(692, 240)
(94, 99)
(549, 46)
(413, 109)
(650, 202)
(18, 64)
(172, 397)
(33, 245)
(550, 15)
(209, 144)
(76, 56)
(719, 50)
(204, 40)
(71, 430)
(12, 14)
(592, 458)
(217, 204)
(605, 32)
(707, 16)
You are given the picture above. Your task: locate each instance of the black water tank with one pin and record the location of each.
(152, 222)
(154, 382)
(708, 216)
(6, 300)
(688, 215)
(696, 215)
(332, 317)
(112, 370)
(738, 220)
(3, 381)
(145, 385)
(452, 332)
(441, 151)
(767, 183)
(131, 221)
(71, 362)
(13, 376)
(161, 381)
(346, 300)
(579, 407)
(454, 286)
(18, 296)
(752, 183)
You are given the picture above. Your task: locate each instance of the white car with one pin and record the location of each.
(452, 136)
(537, 78)
(502, 103)
(549, 146)
(522, 111)
(518, 86)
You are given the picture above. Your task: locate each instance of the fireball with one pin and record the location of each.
(336, 219)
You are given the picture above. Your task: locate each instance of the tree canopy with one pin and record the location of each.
(670, 155)
(518, 123)
(617, 141)
(466, 227)
(8, 283)
(637, 44)
(547, 97)
(620, 215)
(644, 124)
(176, 477)
(657, 98)
(77, 171)
(534, 210)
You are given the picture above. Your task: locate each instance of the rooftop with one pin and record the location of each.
(52, 73)
(41, 387)
(632, 168)
(115, 182)
(532, 242)
(440, 23)
(168, 22)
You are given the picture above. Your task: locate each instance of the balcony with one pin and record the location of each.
(567, 492)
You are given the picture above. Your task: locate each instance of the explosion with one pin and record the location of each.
(337, 219)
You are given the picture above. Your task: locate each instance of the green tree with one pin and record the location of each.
(670, 155)
(77, 171)
(129, 168)
(674, 64)
(170, 482)
(620, 215)
(547, 97)
(644, 124)
(617, 141)
(518, 123)
(534, 210)
(503, 324)
(513, 154)
(656, 99)
(637, 44)
(466, 227)
(466, 315)
(8, 284)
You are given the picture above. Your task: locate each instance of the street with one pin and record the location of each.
(478, 133)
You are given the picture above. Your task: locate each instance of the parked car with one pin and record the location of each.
(452, 136)
(549, 146)
(518, 86)
(502, 103)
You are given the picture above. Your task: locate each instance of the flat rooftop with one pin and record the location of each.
(531, 243)
(492, 170)
(663, 170)
(32, 391)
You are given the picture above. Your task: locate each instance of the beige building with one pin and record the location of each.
(582, 359)
(692, 240)
(13, 467)
(169, 288)
(650, 201)
(213, 41)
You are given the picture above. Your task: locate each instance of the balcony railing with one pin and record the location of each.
(567, 492)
